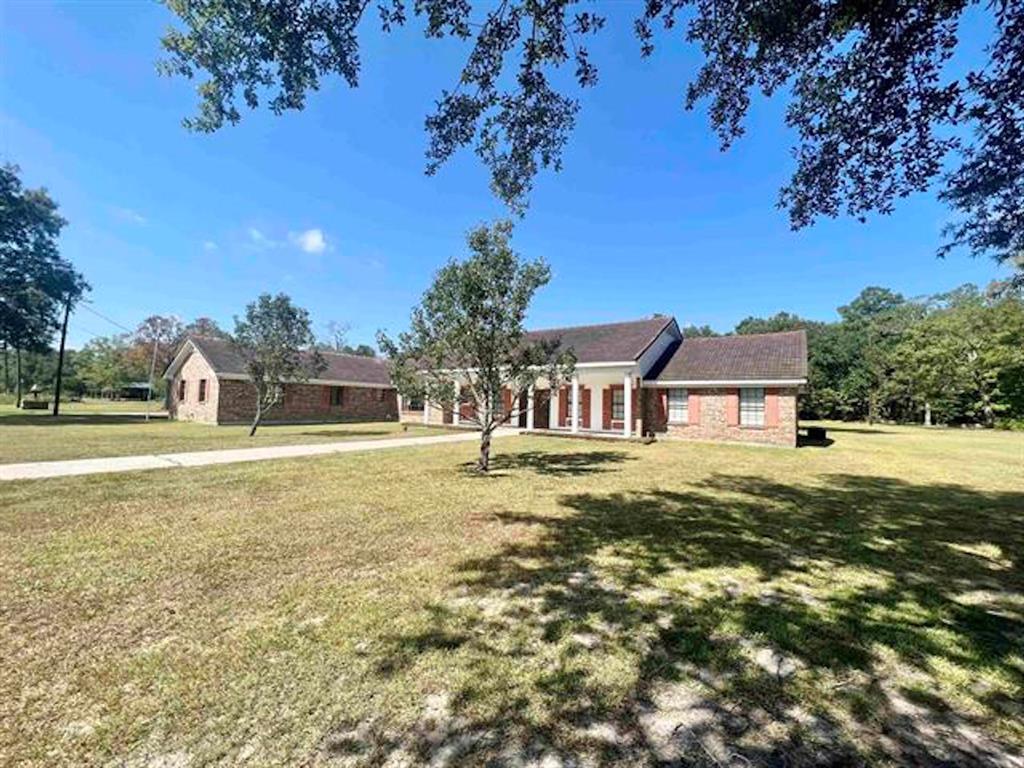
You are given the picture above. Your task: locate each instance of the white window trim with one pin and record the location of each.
(622, 415)
(759, 410)
(685, 408)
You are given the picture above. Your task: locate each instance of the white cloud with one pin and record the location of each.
(310, 241)
(257, 237)
(209, 246)
(127, 214)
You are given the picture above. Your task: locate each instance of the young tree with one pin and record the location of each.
(467, 333)
(883, 97)
(276, 341)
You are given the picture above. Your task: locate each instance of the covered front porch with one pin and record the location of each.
(594, 401)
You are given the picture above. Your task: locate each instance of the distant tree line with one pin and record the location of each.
(106, 364)
(951, 358)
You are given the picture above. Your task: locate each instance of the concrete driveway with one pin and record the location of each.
(41, 469)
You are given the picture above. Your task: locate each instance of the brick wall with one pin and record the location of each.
(307, 402)
(713, 423)
(194, 369)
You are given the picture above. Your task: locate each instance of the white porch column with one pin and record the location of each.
(426, 411)
(455, 403)
(529, 407)
(574, 416)
(627, 404)
(553, 408)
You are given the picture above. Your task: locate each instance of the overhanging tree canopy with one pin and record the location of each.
(877, 108)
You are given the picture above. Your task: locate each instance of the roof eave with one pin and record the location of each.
(763, 382)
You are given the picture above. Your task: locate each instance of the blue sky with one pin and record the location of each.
(331, 204)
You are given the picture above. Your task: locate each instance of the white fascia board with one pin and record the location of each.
(326, 382)
(179, 359)
(622, 364)
(655, 383)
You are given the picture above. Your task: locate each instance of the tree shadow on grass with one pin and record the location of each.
(738, 622)
(345, 434)
(570, 464)
(41, 419)
(858, 430)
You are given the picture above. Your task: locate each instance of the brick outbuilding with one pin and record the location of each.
(207, 382)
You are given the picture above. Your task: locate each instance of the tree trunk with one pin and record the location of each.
(17, 373)
(256, 421)
(483, 464)
(60, 358)
(7, 371)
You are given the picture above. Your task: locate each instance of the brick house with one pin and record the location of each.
(739, 388)
(207, 382)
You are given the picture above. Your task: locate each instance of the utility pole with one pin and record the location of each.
(17, 360)
(60, 357)
(152, 369)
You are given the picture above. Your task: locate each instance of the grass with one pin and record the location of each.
(84, 430)
(618, 603)
(88, 405)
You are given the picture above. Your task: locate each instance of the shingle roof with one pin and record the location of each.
(608, 342)
(224, 358)
(757, 357)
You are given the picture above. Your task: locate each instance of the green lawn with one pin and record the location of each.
(85, 431)
(89, 405)
(617, 603)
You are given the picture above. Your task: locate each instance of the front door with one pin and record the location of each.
(542, 409)
(584, 408)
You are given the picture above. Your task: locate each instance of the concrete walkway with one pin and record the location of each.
(40, 469)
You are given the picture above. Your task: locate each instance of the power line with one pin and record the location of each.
(85, 305)
(79, 328)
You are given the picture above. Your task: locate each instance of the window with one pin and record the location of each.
(618, 404)
(337, 395)
(202, 390)
(414, 403)
(678, 406)
(752, 407)
(382, 395)
(181, 390)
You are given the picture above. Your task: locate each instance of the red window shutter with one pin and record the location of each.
(732, 407)
(771, 407)
(506, 401)
(563, 406)
(693, 408)
(585, 406)
(325, 397)
(663, 405)
(465, 407)
(606, 408)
